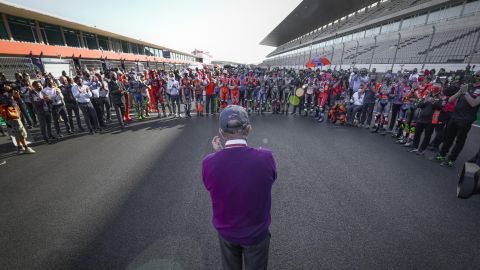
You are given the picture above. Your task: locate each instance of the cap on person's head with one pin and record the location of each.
(233, 118)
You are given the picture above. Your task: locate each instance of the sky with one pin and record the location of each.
(229, 29)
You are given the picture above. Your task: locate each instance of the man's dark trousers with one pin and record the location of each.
(254, 256)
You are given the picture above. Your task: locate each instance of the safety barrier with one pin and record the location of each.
(10, 65)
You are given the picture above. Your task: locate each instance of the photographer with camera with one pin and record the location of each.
(464, 114)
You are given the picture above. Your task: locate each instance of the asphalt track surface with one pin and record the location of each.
(134, 199)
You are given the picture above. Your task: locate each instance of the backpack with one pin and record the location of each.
(8, 112)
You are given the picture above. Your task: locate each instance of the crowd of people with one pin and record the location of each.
(420, 109)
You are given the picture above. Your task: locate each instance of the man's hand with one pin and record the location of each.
(463, 88)
(217, 144)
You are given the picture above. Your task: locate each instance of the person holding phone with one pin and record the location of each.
(239, 179)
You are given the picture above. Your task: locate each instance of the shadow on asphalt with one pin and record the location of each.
(7, 149)
(137, 224)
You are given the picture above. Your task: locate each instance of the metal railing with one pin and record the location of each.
(10, 65)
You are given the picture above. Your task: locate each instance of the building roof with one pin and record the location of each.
(19, 11)
(310, 15)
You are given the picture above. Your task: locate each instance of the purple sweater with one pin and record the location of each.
(240, 181)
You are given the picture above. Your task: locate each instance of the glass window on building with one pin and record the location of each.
(103, 43)
(72, 37)
(391, 27)
(116, 45)
(51, 34)
(141, 49)
(471, 7)
(90, 40)
(453, 12)
(134, 48)
(3, 30)
(125, 47)
(22, 29)
(435, 16)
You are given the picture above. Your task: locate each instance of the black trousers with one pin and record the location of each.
(120, 112)
(367, 113)
(476, 158)
(105, 106)
(57, 112)
(440, 131)
(428, 128)
(456, 129)
(210, 103)
(254, 257)
(395, 110)
(98, 110)
(73, 108)
(90, 115)
(45, 120)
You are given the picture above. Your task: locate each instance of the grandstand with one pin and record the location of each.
(31, 41)
(386, 34)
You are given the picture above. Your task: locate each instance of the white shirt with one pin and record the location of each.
(95, 88)
(81, 94)
(173, 87)
(55, 95)
(235, 143)
(358, 100)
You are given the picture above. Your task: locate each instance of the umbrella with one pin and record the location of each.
(318, 61)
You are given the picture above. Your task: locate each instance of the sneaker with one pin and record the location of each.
(29, 150)
(420, 153)
(20, 150)
(413, 150)
(447, 163)
(439, 157)
(408, 144)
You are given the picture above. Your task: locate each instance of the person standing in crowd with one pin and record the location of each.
(26, 88)
(83, 94)
(427, 119)
(104, 99)
(464, 114)
(95, 86)
(70, 103)
(210, 95)
(239, 179)
(117, 93)
(19, 87)
(58, 106)
(43, 109)
(174, 89)
(444, 117)
(400, 91)
(11, 114)
(186, 92)
(368, 106)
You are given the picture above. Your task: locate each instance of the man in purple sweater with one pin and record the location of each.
(239, 179)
